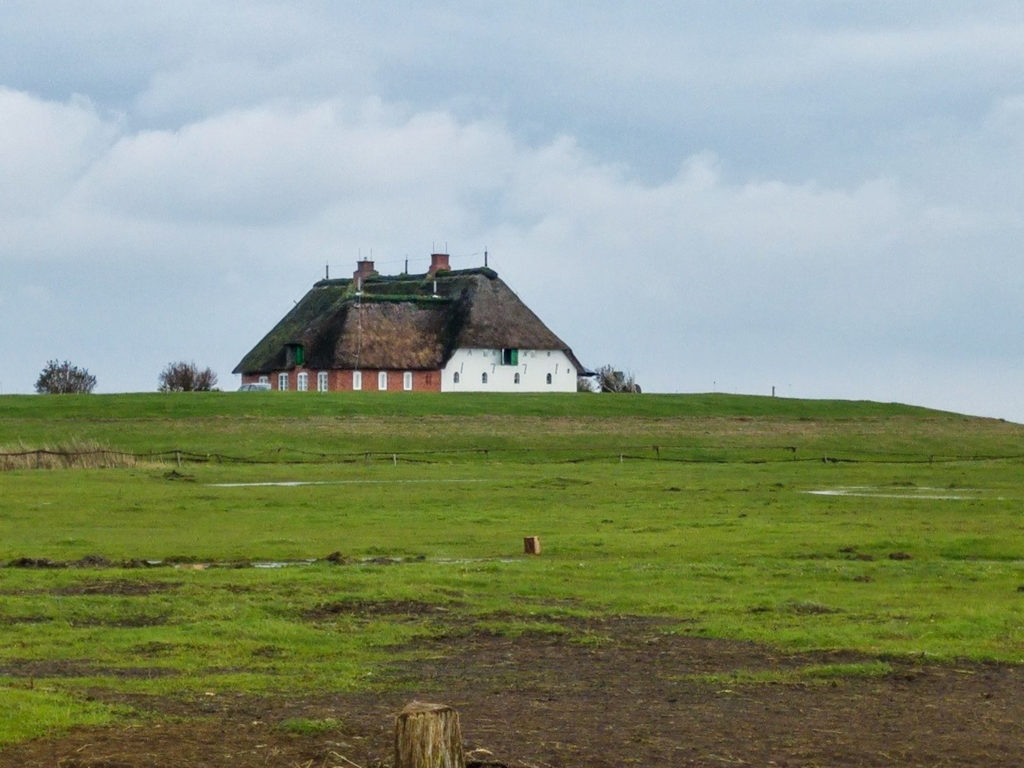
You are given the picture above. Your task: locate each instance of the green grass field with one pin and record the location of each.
(877, 528)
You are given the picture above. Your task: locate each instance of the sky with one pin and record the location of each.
(821, 199)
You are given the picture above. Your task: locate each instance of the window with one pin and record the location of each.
(455, 379)
(549, 378)
(302, 382)
(264, 379)
(357, 379)
(510, 357)
(516, 378)
(322, 384)
(483, 377)
(295, 354)
(282, 381)
(407, 381)
(382, 381)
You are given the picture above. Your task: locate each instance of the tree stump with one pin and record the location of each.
(531, 545)
(428, 736)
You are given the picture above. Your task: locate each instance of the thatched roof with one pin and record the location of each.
(400, 322)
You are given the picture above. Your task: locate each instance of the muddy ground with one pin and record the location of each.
(625, 697)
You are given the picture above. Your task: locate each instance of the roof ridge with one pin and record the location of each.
(410, 276)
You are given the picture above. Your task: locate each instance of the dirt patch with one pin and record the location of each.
(89, 561)
(122, 622)
(119, 587)
(36, 669)
(394, 609)
(616, 692)
(113, 587)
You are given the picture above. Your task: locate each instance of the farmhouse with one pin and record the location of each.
(445, 330)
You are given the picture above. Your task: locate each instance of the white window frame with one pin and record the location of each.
(357, 380)
(264, 379)
(282, 381)
(407, 381)
(382, 381)
(302, 381)
(323, 381)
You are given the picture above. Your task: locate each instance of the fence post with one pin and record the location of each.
(428, 736)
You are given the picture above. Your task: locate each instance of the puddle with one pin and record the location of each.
(283, 563)
(924, 493)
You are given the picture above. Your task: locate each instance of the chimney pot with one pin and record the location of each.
(438, 261)
(364, 268)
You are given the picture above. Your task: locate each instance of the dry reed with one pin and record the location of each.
(74, 455)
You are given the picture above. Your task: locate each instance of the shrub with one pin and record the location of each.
(186, 377)
(611, 380)
(62, 378)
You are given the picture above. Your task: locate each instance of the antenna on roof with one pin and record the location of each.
(327, 271)
(485, 257)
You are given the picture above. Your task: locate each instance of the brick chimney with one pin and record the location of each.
(438, 261)
(364, 268)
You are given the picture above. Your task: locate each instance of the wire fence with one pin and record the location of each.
(103, 458)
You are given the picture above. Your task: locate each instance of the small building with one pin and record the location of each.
(444, 331)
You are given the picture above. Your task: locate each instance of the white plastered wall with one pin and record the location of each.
(533, 367)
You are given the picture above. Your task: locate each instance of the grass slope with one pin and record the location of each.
(273, 426)
(694, 508)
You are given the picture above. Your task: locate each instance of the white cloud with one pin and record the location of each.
(44, 148)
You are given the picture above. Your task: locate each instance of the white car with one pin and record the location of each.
(259, 386)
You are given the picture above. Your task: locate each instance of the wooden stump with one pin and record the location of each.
(531, 545)
(428, 736)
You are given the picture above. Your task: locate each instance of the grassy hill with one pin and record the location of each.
(293, 426)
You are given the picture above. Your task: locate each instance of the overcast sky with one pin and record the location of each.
(826, 198)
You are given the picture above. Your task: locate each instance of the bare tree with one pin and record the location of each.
(63, 378)
(186, 377)
(611, 380)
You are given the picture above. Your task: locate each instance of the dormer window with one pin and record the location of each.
(295, 355)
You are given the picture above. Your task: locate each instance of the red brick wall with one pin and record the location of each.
(341, 381)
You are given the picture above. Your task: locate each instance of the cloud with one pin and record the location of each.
(296, 183)
(44, 148)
